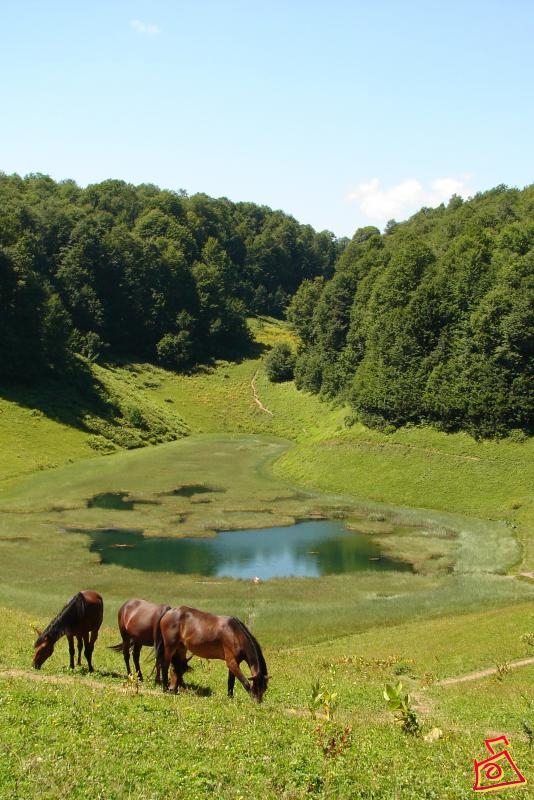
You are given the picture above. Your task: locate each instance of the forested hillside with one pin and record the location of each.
(432, 321)
(139, 272)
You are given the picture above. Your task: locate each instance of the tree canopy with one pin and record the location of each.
(432, 321)
(139, 272)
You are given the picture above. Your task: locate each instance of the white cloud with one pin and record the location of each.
(405, 198)
(142, 27)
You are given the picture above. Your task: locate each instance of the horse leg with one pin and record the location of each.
(179, 664)
(231, 683)
(169, 657)
(126, 653)
(135, 652)
(70, 638)
(163, 665)
(235, 671)
(89, 642)
(80, 642)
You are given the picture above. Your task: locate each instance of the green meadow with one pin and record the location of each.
(191, 455)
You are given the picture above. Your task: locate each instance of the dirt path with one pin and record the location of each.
(484, 673)
(255, 395)
(42, 677)
(142, 688)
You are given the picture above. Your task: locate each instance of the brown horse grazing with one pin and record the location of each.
(138, 621)
(210, 636)
(80, 618)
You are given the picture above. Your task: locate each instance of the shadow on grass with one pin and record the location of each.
(194, 688)
(251, 350)
(66, 398)
(106, 673)
(76, 393)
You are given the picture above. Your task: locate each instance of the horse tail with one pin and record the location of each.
(159, 645)
(116, 647)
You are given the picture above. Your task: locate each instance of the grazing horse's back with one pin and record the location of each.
(210, 636)
(94, 610)
(137, 619)
(138, 622)
(200, 631)
(80, 618)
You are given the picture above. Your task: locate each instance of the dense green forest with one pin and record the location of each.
(117, 270)
(431, 321)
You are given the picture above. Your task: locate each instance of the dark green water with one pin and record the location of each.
(308, 549)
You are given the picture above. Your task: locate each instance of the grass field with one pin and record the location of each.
(105, 737)
(465, 609)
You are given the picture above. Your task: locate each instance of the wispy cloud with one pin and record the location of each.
(405, 198)
(147, 29)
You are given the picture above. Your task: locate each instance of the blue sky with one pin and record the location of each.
(340, 113)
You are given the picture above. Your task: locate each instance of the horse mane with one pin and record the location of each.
(254, 655)
(67, 618)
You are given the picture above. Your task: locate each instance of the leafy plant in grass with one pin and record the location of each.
(322, 702)
(400, 706)
(332, 739)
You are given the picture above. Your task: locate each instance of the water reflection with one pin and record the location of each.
(308, 549)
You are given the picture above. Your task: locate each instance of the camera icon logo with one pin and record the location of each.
(499, 770)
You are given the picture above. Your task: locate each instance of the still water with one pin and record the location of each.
(307, 549)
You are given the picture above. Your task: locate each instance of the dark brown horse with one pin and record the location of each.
(80, 618)
(138, 621)
(210, 636)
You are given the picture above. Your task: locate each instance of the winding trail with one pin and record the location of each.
(128, 688)
(255, 395)
(484, 673)
(84, 680)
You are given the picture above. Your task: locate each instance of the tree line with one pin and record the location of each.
(116, 270)
(431, 321)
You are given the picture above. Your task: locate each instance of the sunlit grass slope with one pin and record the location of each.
(80, 736)
(101, 736)
(46, 520)
(415, 467)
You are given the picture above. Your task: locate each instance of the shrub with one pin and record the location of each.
(280, 363)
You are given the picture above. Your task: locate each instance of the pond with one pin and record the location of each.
(307, 549)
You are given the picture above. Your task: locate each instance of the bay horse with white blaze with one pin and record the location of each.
(138, 622)
(210, 636)
(81, 617)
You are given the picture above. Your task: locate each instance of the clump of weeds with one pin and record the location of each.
(400, 705)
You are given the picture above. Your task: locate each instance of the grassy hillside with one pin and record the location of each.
(105, 737)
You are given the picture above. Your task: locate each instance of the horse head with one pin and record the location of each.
(258, 686)
(44, 647)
